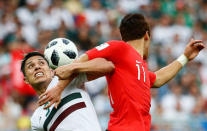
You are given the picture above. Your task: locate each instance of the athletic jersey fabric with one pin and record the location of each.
(74, 113)
(128, 86)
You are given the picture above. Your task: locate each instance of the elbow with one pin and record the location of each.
(156, 85)
(108, 67)
(105, 66)
(111, 66)
(158, 82)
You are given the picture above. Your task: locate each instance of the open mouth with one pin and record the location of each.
(39, 74)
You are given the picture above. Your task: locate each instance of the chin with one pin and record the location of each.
(40, 80)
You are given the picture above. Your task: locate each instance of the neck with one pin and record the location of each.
(40, 88)
(138, 45)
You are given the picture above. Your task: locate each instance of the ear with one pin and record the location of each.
(146, 36)
(25, 80)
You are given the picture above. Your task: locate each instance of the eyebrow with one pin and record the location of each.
(31, 61)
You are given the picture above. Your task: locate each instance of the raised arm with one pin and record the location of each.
(167, 73)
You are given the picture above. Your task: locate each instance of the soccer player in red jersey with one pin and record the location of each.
(129, 84)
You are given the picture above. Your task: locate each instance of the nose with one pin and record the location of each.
(37, 67)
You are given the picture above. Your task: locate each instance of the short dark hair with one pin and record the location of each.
(133, 26)
(27, 56)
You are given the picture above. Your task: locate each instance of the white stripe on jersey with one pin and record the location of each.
(83, 119)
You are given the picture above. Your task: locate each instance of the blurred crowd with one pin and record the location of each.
(25, 25)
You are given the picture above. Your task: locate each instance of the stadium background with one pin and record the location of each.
(180, 105)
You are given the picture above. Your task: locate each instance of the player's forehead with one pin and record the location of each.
(34, 59)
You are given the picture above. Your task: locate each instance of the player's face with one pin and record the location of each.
(37, 71)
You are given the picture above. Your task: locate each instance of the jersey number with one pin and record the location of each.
(139, 69)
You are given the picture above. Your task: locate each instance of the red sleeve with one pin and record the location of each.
(109, 50)
(152, 77)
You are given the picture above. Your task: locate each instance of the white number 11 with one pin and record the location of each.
(138, 69)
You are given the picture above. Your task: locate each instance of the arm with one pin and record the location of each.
(167, 73)
(100, 64)
(94, 68)
(53, 96)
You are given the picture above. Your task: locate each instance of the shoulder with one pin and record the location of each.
(116, 43)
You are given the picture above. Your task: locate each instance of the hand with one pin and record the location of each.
(64, 72)
(193, 48)
(53, 96)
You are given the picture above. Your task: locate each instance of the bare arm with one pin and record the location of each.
(167, 73)
(94, 68)
(54, 94)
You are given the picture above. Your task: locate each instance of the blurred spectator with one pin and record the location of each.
(174, 103)
(28, 16)
(95, 13)
(179, 28)
(178, 46)
(203, 14)
(162, 32)
(26, 25)
(52, 17)
(132, 5)
(44, 36)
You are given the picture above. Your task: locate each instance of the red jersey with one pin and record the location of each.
(128, 86)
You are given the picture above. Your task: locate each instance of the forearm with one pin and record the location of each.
(53, 95)
(62, 84)
(167, 73)
(94, 68)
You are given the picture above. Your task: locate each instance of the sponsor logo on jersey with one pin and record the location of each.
(102, 46)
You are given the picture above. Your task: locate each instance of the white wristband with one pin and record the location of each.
(182, 59)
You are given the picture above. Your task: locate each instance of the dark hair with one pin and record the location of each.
(133, 26)
(27, 56)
